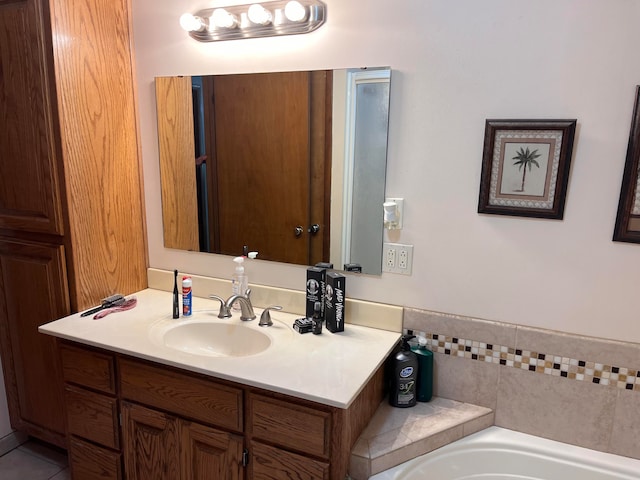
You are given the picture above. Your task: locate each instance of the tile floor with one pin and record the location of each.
(34, 461)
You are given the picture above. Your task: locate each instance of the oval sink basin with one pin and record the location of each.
(216, 339)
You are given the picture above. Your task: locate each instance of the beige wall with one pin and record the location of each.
(570, 388)
(455, 65)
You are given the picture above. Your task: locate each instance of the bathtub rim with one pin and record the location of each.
(506, 439)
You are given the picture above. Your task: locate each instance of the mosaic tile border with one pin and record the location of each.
(544, 363)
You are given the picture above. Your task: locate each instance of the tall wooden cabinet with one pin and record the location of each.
(71, 206)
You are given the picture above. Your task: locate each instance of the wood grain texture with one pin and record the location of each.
(177, 163)
(29, 359)
(99, 140)
(29, 198)
(270, 463)
(209, 454)
(262, 160)
(320, 115)
(289, 425)
(90, 462)
(92, 416)
(151, 444)
(187, 395)
(88, 368)
(349, 423)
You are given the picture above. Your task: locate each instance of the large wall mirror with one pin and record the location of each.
(289, 164)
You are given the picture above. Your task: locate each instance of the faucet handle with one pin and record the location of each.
(224, 310)
(265, 318)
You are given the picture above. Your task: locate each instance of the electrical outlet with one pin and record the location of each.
(405, 258)
(398, 258)
(390, 257)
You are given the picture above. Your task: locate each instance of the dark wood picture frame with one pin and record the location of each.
(512, 148)
(627, 227)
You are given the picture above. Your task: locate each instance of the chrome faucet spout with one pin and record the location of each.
(246, 309)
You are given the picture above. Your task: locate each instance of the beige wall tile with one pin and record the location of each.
(464, 380)
(573, 412)
(625, 435)
(462, 327)
(609, 352)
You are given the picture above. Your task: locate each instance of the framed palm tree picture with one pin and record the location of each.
(627, 227)
(525, 167)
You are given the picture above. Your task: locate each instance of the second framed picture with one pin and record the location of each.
(525, 167)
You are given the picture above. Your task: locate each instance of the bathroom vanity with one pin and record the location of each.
(142, 403)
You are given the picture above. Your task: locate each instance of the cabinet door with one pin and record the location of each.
(29, 196)
(209, 454)
(32, 292)
(271, 463)
(151, 444)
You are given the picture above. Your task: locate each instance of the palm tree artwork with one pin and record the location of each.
(525, 158)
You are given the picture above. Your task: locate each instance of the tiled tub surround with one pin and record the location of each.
(396, 435)
(535, 380)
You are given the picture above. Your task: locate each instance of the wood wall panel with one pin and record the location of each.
(96, 101)
(177, 163)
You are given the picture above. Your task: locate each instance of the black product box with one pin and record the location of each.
(315, 288)
(303, 325)
(334, 302)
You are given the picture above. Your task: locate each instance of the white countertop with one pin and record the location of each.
(328, 368)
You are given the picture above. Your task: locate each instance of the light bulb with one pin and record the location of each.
(191, 23)
(259, 15)
(295, 11)
(223, 19)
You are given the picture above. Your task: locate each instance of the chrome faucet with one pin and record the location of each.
(246, 309)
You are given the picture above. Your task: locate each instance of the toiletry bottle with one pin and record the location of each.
(176, 301)
(317, 319)
(239, 281)
(403, 376)
(186, 296)
(425, 370)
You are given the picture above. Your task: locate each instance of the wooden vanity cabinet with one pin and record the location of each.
(182, 425)
(71, 207)
(92, 413)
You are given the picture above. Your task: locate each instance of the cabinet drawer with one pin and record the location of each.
(90, 462)
(269, 463)
(88, 368)
(183, 394)
(290, 425)
(92, 416)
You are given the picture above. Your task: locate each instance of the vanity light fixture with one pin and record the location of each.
(221, 18)
(192, 23)
(259, 15)
(266, 19)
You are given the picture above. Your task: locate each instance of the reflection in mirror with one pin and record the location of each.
(289, 164)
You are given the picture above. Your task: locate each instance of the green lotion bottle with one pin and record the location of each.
(425, 370)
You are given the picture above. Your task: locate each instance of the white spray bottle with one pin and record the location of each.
(240, 279)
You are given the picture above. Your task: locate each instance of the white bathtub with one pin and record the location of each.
(500, 454)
